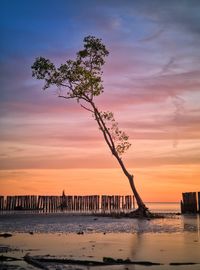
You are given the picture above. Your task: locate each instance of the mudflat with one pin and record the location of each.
(169, 243)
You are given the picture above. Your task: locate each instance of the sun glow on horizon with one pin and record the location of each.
(164, 184)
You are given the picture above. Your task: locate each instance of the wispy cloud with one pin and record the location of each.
(151, 79)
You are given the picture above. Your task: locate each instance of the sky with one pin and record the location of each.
(151, 83)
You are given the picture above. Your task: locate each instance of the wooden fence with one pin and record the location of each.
(75, 203)
(190, 202)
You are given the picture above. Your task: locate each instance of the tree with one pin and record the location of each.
(81, 80)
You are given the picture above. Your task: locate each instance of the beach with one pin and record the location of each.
(172, 242)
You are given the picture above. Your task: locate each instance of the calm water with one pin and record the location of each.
(163, 207)
(164, 240)
(73, 223)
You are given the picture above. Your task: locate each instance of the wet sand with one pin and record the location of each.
(166, 242)
(163, 248)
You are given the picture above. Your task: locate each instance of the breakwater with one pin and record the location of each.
(69, 203)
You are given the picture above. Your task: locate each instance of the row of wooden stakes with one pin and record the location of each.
(75, 203)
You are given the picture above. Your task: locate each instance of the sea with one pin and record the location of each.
(63, 222)
(173, 239)
(164, 207)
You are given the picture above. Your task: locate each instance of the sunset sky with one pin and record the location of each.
(151, 83)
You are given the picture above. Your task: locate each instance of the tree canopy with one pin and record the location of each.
(81, 80)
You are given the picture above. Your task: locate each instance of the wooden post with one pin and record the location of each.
(59, 202)
(54, 203)
(8, 203)
(1, 203)
(44, 199)
(98, 203)
(14, 202)
(194, 202)
(23, 201)
(130, 202)
(112, 203)
(106, 203)
(103, 203)
(50, 204)
(11, 203)
(90, 203)
(189, 204)
(84, 203)
(70, 200)
(17, 201)
(38, 202)
(118, 203)
(133, 202)
(32, 202)
(43, 203)
(78, 203)
(123, 203)
(35, 201)
(185, 202)
(67, 203)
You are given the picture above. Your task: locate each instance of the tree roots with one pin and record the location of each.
(141, 212)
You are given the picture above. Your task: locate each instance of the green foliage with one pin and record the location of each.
(80, 79)
(43, 69)
(119, 137)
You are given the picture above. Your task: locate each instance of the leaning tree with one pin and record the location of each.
(81, 80)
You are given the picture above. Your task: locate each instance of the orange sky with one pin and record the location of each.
(151, 80)
(52, 152)
(163, 183)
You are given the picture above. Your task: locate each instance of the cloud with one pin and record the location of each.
(152, 68)
(153, 36)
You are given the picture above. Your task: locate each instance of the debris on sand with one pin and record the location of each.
(5, 235)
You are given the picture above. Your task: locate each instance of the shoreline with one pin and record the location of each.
(113, 250)
(59, 241)
(97, 223)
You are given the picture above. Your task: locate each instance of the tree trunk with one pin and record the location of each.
(137, 196)
(142, 210)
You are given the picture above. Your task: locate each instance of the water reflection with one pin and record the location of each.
(165, 247)
(182, 246)
(191, 223)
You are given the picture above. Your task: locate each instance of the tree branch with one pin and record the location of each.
(104, 127)
(103, 131)
(87, 108)
(61, 96)
(65, 85)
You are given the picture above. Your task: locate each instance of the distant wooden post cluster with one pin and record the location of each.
(75, 203)
(190, 202)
